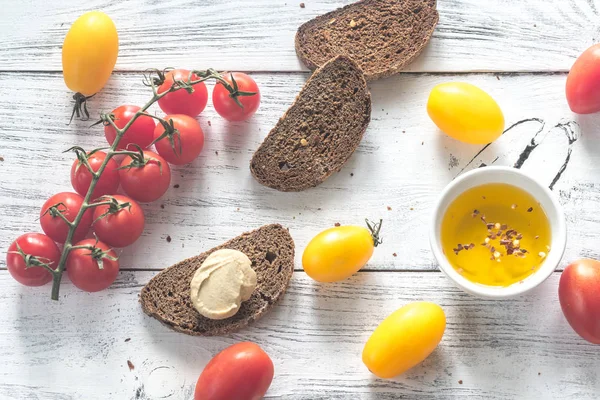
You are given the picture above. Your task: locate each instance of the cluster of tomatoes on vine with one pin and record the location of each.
(144, 176)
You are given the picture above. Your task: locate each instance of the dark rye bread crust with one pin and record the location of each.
(319, 132)
(382, 36)
(167, 296)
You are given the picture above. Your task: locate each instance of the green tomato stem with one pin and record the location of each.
(57, 274)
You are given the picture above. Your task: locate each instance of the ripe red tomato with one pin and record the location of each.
(242, 372)
(180, 101)
(85, 272)
(583, 82)
(187, 145)
(54, 226)
(579, 295)
(227, 107)
(81, 177)
(140, 132)
(42, 248)
(122, 228)
(146, 181)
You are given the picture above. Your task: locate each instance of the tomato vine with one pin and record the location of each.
(152, 78)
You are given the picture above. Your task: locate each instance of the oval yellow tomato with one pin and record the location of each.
(465, 112)
(404, 339)
(89, 53)
(338, 253)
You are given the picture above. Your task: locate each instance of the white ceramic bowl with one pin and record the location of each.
(515, 177)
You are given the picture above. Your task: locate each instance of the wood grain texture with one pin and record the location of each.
(403, 162)
(258, 35)
(80, 348)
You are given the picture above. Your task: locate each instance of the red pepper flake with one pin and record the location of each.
(395, 255)
(209, 124)
(337, 224)
(302, 5)
(460, 382)
(127, 340)
(176, 186)
(217, 153)
(162, 206)
(168, 239)
(1, 158)
(389, 208)
(130, 365)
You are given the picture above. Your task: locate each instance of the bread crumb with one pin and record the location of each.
(303, 142)
(162, 206)
(395, 255)
(389, 208)
(127, 340)
(301, 5)
(130, 365)
(168, 239)
(460, 382)
(337, 224)
(411, 209)
(352, 24)
(332, 21)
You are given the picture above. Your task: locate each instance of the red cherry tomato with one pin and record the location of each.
(122, 228)
(85, 272)
(583, 82)
(242, 372)
(187, 145)
(180, 101)
(227, 107)
(81, 177)
(579, 295)
(42, 248)
(146, 181)
(69, 205)
(140, 132)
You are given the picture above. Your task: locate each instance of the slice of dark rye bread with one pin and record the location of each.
(382, 36)
(319, 132)
(167, 296)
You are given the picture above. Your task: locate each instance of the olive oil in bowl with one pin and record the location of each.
(495, 234)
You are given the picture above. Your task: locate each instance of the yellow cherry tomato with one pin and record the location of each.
(89, 53)
(465, 112)
(404, 339)
(338, 253)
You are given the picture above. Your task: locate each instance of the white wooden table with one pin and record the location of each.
(78, 348)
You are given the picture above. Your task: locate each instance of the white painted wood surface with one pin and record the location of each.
(258, 35)
(522, 348)
(78, 349)
(403, 162)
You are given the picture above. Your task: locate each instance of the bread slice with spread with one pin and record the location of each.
(319, 132)
(382, 36)
(168, 296)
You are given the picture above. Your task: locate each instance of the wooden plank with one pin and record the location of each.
(403, 162)
(79, 348)
(536, 35)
